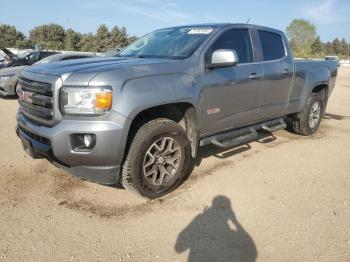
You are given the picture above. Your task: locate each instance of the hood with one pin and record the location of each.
(91, 65)
(8, 53)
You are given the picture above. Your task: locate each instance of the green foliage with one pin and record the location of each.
(87, 43)
(50, 36)
(119, 37)
(316, 47)
(71, 41)
(9, 36)
(103, 40)
(24, 43)
(344, 48)
(336, 46)
(305, 43)
(303, 34)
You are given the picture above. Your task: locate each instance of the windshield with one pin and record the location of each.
(173, 43)
(23, 55)
(51, 58)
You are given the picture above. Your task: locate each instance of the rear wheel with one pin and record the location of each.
(158, 159)
(307, 122)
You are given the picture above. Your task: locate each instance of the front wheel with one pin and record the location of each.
(158, 159)
(307, 122)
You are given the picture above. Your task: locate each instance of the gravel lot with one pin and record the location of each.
(282, 198)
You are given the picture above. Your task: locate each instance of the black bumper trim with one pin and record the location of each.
(39, 149)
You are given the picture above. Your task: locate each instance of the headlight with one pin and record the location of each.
(6, 77)
(85, 100)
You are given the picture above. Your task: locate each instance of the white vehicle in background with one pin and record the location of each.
(9, 76)
(333, 57)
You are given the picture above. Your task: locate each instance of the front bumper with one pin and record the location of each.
(101, 164)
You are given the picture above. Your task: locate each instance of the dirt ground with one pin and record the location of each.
(282, 198)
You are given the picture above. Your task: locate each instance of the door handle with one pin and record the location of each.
(285, 72)
(254, 76)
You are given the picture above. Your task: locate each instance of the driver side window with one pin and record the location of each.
(238, 40)
(34, 56)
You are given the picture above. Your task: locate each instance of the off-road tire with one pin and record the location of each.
(133, 175)
(300, 122)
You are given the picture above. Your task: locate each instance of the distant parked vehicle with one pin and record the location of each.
(9, 76)
(63, 57)
(112, 52)
(334, 58)
(27, 58)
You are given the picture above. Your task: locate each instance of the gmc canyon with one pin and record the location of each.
(140, 117)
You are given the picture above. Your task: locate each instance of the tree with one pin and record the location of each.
(87, 43)
(103, 40)
(24, 43)
(119, 37)
(316, 47)
(336, 46)
(71, 40)
(50, 36)
(9, 36)
(303, 33)
(132, 39)
(343, 47)
(328, 48)
(294, 47)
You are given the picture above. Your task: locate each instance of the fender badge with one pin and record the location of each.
(213, 111)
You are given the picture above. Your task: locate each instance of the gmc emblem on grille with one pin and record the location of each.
(25, 96)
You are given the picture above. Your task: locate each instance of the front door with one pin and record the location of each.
(231, 95)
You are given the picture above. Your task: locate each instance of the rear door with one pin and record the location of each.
(278, 73)
(232, 94)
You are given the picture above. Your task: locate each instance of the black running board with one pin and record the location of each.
(275, 127)
(243, 135)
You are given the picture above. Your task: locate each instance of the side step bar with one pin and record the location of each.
(243, 135)
(274, 128)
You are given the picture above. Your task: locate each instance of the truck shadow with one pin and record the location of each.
(335, 117)
(8, 97)
(216, 235)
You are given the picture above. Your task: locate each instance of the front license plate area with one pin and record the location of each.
(27, 146)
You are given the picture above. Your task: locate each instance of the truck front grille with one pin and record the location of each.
(35, 98)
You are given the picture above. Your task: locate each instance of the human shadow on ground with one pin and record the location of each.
(216, 235)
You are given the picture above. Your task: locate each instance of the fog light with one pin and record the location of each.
(87, 140)
(83, 142)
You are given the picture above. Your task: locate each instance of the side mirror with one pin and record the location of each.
(223, 58)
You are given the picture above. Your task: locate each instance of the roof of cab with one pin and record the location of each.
(222, 25)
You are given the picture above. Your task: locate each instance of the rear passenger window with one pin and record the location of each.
(237, 39)
(272, 45)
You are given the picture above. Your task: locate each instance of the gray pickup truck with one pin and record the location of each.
(140, 117)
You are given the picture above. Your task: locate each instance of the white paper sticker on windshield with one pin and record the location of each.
(200, 31)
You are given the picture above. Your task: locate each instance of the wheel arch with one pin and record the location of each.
(184, 113)
(322, 88)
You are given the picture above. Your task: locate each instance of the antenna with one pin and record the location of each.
(248, 21)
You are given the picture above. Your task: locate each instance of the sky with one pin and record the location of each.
(331, 17)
